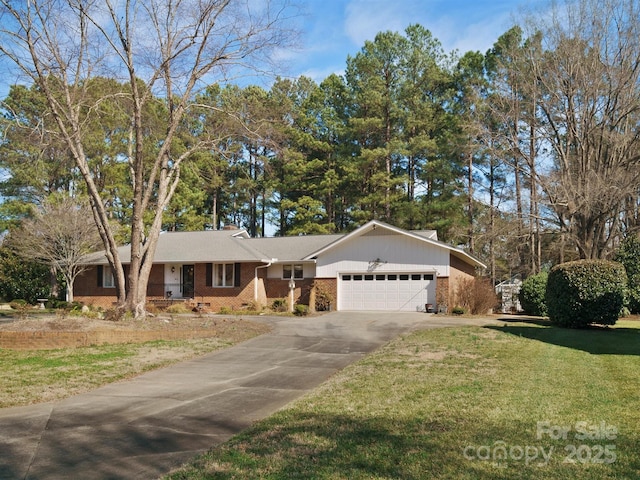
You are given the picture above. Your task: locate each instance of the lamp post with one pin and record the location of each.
(292, 287)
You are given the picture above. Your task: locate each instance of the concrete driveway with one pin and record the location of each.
(144, 427)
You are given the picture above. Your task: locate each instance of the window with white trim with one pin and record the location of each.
(107, 277)
(294, 271)
(223, 274)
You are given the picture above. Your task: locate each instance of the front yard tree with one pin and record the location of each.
(581, 89)
(59, 235)
(163, 51)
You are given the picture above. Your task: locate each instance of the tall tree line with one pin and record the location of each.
(526, 155)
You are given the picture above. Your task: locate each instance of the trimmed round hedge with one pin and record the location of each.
(586, 291)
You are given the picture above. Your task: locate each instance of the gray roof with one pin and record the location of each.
(225, 246)
(194, 247)
(236, 246)
(291, 248)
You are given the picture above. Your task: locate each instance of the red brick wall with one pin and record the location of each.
(87, 291)
(156, 281)
(228, 297)
(442, 293)
(329, 285)
(277, 288)
(459, 271)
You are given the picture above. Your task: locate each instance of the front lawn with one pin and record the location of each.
(523, 400)
(32, 376)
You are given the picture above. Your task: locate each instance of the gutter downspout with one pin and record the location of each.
(255, 278)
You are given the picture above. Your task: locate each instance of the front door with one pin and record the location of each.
(188, 281)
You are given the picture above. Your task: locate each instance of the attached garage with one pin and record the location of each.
(386, 291)
(385, 268)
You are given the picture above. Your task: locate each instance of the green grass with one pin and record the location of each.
(438, 404)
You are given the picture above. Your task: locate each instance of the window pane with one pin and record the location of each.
(298, 271)
(404, 277)
(219, 269)
(107, 277)
(368, 277)
(346, 277)
(392, 277)
(286, 271)
(380, 277)
(228, 275)
(428, 276)
(416, 277)
(357, 277)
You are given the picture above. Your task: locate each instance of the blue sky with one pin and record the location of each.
(333, 29)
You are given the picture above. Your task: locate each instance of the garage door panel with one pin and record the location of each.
(391, 292)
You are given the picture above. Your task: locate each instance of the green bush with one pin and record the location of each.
(586, 291)
(54, 303)
(22, 279)
(300, 310)
(532, 294)
(629, 255)
(279, 305)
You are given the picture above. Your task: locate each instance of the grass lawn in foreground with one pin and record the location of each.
(31, 376)
(523, 400)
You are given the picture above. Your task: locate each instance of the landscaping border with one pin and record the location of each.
(41, 340)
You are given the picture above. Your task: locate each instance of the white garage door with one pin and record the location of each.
(386, 291)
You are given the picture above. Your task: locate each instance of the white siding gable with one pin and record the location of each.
(395, 252)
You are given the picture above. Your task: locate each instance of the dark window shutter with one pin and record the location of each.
(236, 274)
(100, 272)
(209, 275)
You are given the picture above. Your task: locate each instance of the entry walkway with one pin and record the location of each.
(144, 427)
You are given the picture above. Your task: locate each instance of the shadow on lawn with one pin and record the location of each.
(304, 445)
(595, 339)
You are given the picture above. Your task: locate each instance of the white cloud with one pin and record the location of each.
(365, 18)
(461, 25)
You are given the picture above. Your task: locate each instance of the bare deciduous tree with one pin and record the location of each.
(161, 49)
(580, 73)
(60, 235)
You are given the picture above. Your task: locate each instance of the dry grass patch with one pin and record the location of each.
(34, 376)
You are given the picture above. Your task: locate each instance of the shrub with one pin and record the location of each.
(532, 294)
(586, 291)
(58, 304)
(18, 304)
(22, 279)
(254, 306)
(458, 311)
(151, 308)
(629, 255)
(279, 305)
(476, 296)
(300, 310)
(224, 310)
